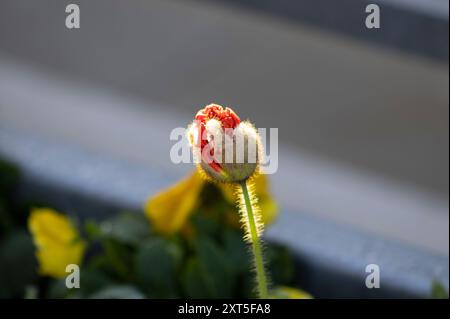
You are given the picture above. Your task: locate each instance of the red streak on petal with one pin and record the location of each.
(226, 116)
(216, 166)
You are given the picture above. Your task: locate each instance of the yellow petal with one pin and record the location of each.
(57, 241)
(269, 209)
(169, 210)
(284, 292)
(47, 225)
(53, 259)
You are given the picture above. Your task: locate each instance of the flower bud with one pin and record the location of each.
(226, 149)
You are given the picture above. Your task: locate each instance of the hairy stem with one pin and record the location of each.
(256, 245)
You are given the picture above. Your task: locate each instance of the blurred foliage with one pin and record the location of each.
(17, 264)
(283, 292)
(17, 259)
(9, 177)
(438, 291)
(127, 258)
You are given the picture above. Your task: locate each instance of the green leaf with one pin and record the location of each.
(438, 291)
(195, 281)
(236, 251)
(118, 292)
(129, 228)
(6, 220)
(247, 285)
(156, 267)
(93, 279)
(17, 265)
(92, 229)
(206, 225)
(118, 259)
(57, 289)
(214, 262)
(280, 265)
(9, 175)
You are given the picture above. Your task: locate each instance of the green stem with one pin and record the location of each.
(256, 246)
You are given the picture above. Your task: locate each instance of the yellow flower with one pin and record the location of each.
(170, 209)
(284, 292)
(57, 242)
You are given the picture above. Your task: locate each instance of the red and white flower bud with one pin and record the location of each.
(225, 148)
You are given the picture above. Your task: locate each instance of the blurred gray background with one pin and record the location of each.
(363, 125)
